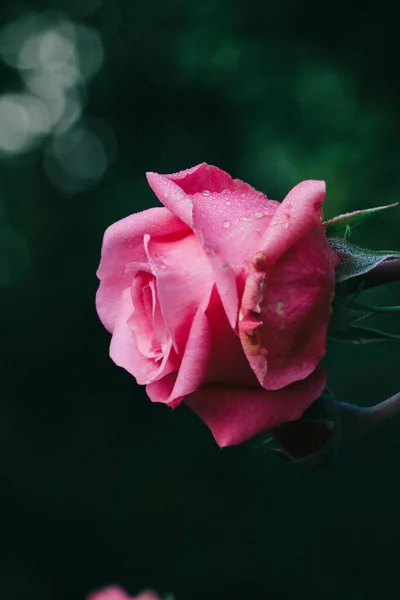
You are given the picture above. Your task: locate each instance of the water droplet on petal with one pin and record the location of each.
(228, 203)
(226, 224)
(163, 267)
(258, 215)
(206, 193)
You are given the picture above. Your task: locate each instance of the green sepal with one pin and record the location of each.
(356, 261)
(313, 440)
(362, 335)
(342, 225)
(345, 314)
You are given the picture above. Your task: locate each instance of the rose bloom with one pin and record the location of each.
(116, 593)
(222, 299)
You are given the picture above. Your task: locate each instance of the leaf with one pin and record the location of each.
(363, 335)
(341, 225)
(356, 261)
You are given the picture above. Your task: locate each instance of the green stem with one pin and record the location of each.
(386, 409)
(386, 272)
(356, 421)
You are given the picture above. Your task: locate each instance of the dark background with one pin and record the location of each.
(97, 484)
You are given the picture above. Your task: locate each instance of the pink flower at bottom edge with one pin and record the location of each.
(117, 593)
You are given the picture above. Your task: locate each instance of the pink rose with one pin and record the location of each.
(222, 298)
(116, 593)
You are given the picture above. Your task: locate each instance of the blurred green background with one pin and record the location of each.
(97, 484)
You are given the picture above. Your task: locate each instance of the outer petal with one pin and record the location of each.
(228, 216)
(299, 212)
(285, 313)
(236, 414)
(123, 253)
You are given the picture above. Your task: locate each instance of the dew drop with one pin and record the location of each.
(206, 193)
(228, 203)
(258, 215)
(163, 267)
(226, 224)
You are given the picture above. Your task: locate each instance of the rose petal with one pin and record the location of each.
(227, 361)
(123, 253)
(184, 280)
(286, 310)
(110, 593)
(299, 212)
(228, 215)
(173, 388)
(116, 593)
(236, 414)
(124, 349)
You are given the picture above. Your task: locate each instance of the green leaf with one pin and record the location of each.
(363, 335)
(341, 225)
(356, 261)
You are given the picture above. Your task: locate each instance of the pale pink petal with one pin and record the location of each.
(161, 390)
(299, 212)
(175, 191)
(123, 253)
(286, 310)
(229, 217)
(124, 349)
(184, 281)
(110, 593)
(236, 414)
(172, 196)
(116, 593)
(213, 354)
(173, 388)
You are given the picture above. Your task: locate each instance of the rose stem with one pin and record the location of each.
(356, 421)
(387, 272)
